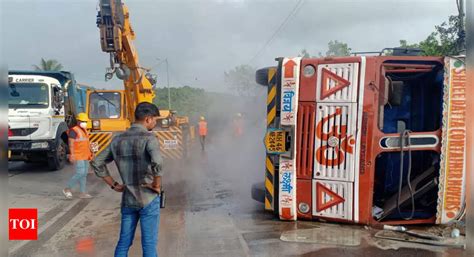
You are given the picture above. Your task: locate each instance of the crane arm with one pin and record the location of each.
(116, 37)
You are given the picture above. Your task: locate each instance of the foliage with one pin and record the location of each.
(185, 100)
(337, 48)
(304, 54)
(443, 41)
(241, 79)
(48, 65)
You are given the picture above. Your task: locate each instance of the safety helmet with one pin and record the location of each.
(82, 117)
(202, 118)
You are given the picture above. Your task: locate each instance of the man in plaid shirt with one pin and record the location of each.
(136, 153)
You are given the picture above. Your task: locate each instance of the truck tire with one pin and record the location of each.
(258, 192)
(261, 76)
(59, 157)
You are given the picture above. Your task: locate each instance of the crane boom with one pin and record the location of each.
(117, 36)
(113, 111)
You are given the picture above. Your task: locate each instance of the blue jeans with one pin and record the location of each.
(81, 175)
(149, 217)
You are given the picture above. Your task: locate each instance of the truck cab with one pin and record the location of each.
(366, 139)
(41, 107)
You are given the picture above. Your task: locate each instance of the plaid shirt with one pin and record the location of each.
(136, 153)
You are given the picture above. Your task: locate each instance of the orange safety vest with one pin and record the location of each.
(81, 146)
(238, 127)
(203, 128)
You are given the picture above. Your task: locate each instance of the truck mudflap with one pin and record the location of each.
(452, 178)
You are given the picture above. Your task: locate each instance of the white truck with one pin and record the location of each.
(41, 106)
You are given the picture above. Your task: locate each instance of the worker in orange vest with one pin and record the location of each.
(238, 125)
(202, 131)
(80, 155)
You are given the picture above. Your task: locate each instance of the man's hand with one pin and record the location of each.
(115, 185)
(72, 159)
(119, 188)
(156, 188)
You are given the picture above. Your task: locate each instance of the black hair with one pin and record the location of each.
(144, 110)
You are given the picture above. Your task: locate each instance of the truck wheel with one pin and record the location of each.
(58, 160)
(261, 76)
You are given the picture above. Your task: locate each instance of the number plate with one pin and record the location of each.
(170, 144)
(94, 147)
(275, 141)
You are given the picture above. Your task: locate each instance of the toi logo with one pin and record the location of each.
(23, 224)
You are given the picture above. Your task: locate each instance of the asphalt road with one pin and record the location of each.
(209, 212)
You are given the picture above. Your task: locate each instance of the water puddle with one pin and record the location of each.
(325, 235)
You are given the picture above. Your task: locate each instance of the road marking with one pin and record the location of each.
(47, 219)
(28, 248)
(242, 241)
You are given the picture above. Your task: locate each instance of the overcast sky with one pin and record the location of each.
(204, 38)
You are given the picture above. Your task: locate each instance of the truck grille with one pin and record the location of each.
(23, 132)
(332, 199)
(305, 140)
(332, 83)
(335, 141)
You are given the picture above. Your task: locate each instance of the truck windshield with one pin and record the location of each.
(28, 95)
(104, 105)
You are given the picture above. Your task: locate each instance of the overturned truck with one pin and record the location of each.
(365, 139)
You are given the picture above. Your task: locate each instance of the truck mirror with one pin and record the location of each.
(58, 106)
(58, 99)
(13, 92)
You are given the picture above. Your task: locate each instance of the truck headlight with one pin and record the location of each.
(303, 207)
(164, 122)
(96, 124)
(39, 145)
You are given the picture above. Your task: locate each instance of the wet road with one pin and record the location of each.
(209, 212)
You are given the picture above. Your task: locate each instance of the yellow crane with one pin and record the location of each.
(112, 111)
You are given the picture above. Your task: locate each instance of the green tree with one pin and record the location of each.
(185, 100)
(48, 65)
(241, 79)
(443, 41)
(404, 44)
(337, 48)
(304, 54)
